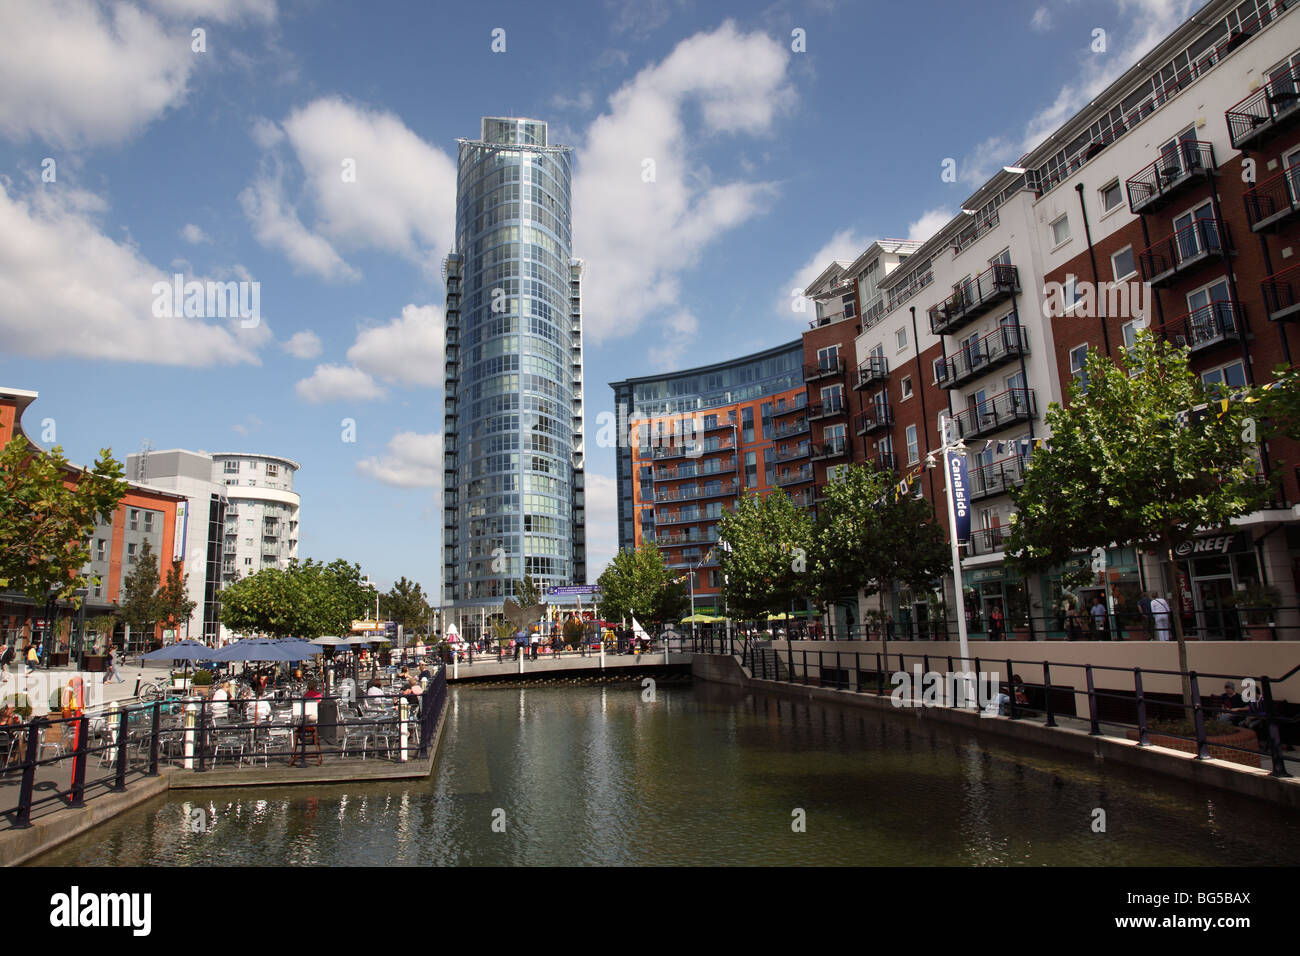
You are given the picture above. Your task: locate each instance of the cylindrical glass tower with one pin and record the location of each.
(513, 415)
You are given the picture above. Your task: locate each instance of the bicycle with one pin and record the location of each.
(155, 689)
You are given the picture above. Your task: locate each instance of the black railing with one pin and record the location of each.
(1282, 293)
(794, 477)
(828, 369)
(1263, 111)
(874, 369)
(828, 409)
(834, 447)
(1004, 344)
(996, 477)
(973, 298)
(1274, 199)
(1175, 168)
(1211, 324)
(1185, 248)
(1000, 411)
(787, 431)
(874, 417)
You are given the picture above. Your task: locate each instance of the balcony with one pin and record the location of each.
(678, 540)
(789, 408)
(874, 369)
(1177, 166)
(801, 452)
(1183, 250)
(875, 417)
(799, 427)
(804, 498)
(836, 447)
(685, 517)
(798, 476)
(712, 425)
(1212, 324)
(1274, 200)
(989, 540)
(674, 474)
(993, 414)
(1265, 111)
(685, 493)
(885, 461)
(1282, 293)
(1004, 344)
(996, 477)
(831, 409)
(974, 298)
(824, 370)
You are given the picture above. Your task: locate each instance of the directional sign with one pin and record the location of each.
(574, 589)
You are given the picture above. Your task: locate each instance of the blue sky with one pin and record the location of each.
(227, 164)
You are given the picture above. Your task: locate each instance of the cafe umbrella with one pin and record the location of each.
(187, 650)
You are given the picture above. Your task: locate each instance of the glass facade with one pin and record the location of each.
(513, 488)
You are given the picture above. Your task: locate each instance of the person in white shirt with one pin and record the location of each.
(375, 689)
(220, 696)
(261, 709)
(1161, 617)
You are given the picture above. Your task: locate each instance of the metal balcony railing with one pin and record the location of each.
(693, 492)
(1282, 293)
(1175, 168)
(835, 447)
(1274, 200)
(822, 410)
(795, 477)
(886, 461)
(989, 540)
(972, 299)
(802, 451)
(997, 476)
(1182, 250)
(1264, 111)
(995, 413)
(799, 427)
(875, 417)
(1004, 344)
(798, 404)
(1211, 324)
(716, 467)
(829, 369)
(874, 369)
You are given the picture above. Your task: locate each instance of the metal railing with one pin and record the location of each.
(974, 297)
(874, 369)
(1273, 199)
(875, 416)
(1175, 167)
(1182, 249)
(1282, 293)
(1004, 344)
(812, 373)
(1255, 116)
(1211, 324)
(997, 412)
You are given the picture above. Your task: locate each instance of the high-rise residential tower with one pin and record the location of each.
(513, 427)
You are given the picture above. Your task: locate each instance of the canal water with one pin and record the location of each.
(705, 774)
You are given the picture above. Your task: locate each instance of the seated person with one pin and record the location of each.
(261, 709)
(220, 708)
(311, 704)
(375, 689)
(425, 675)
(1232, 709)
(9, 716)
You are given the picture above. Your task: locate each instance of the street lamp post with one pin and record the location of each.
(953, 446)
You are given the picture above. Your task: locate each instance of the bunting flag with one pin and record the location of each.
(1024, 448)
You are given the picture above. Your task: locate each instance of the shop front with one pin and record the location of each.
(997, 606)
(1217, 573)
(1094, 599)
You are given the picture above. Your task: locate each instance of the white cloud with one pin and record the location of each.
(66, 289)
(276, 225)
(845, 245)
(638, 237)
(680, 330)
(219, 11)
(602, 522)
(303, 345)
(74, 74)
(193, 234)
(332, 383)
(407, 351)
(1041, 21)
(931, 221)
(401, 199)
(412, 460)
(581, 102)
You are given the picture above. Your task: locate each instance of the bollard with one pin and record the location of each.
(191, 726)
(403, 715)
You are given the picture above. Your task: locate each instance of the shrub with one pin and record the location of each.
(202, 678)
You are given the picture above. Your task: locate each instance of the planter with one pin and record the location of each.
(58, 658)
(1021, 634)
(93, 663)
(1237, 737)
(1259, 632)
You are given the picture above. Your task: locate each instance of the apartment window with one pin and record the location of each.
(1111, 196)
(913, 449)
(248, 542)
(272, 470)
(747, 423)
(99, 589)
(850, 310)
(1123, 264)
(100, 549)
(1229, 377)
(906, 386)
(1003, 258)
(769, 469)
(148, 521)
(248, 562)
(900, 339)
(1079, 364)
(1060, 230)
(252, 466)
(833, 397)
(751, 469)
(940, 371)
(231, 468)
(135, 520)
(765, 411)
(828, 357)
(130, 554)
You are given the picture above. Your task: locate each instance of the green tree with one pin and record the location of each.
(527, 593)
(638, 584)
(305, 600)
(1278, 408)
(765, 542)
(45, 525)
(140, 607)
(867, 537)
(174, 603)
(1143, 455)
(409, 607)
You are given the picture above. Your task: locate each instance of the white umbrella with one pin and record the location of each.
(329, 641)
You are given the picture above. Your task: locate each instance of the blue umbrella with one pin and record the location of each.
(263, 649)
(186, 650)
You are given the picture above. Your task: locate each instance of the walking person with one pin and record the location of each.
(1099, 618)
(995, 623)
(6, 658)
(1161, 617)
(32, 659)
(1073, 623)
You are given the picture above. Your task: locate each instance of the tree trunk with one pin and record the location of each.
(1176, 615)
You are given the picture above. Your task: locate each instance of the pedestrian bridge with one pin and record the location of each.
(488, 667)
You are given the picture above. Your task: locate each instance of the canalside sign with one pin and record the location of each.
(960, 496)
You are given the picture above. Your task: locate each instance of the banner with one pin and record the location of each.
(178, 537)
(960, 500)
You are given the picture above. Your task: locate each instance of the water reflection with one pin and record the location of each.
(705, 774)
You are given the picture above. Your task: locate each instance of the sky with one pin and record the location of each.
(724, 154)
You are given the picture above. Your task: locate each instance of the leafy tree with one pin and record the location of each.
(635, 585)
(409, 607)
(1279, 404)
(527, 592)
(867, 537)
(47, 516)
(174, 603)
(764, 557)
(306, 600)
(1146, 456)
(140, 606)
